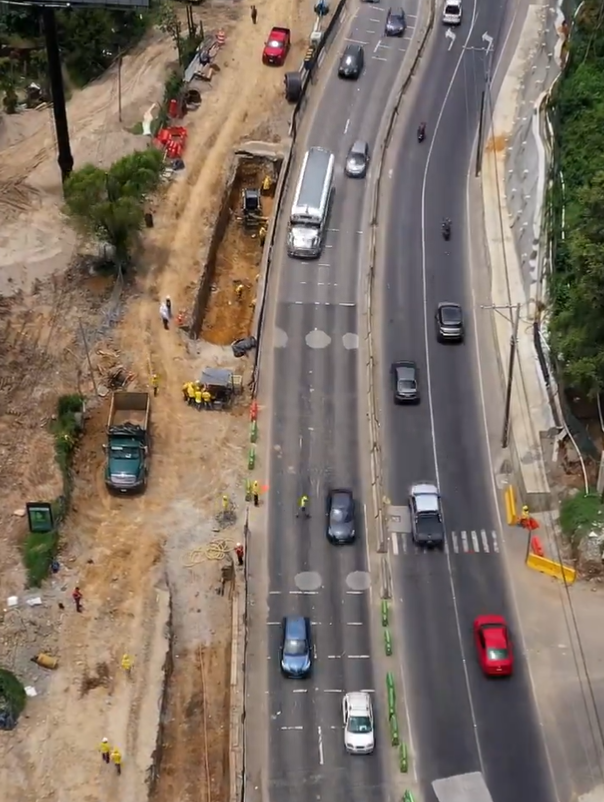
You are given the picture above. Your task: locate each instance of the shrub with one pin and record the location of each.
(581, 514)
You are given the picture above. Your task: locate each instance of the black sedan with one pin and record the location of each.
(340, 516)
(449, 323)
(352, 62)
(396, 23)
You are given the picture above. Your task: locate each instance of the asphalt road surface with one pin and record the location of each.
(461, 722)
(316, 442)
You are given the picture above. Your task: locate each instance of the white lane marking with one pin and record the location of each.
(464, 541)
(376, 48)
(371, 19)
(320, 734)
(347, 126)
(273, 623)
(372, 32)
(321, 58)
(274, 593)
(303, 592)
(485, 541)
(333, 229)
(300, 690)
(324, 264)
(378, 58)
(395, 544)
(334, 656)
(292, 728)
(367, 690)
(495, 543)
(354, 624)
(357, 42)
(333, 690)
(446, 549)
(355, 592)
(358, 656)
(475, 545)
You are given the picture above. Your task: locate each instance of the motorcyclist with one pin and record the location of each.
(421, 132)
(446, 227)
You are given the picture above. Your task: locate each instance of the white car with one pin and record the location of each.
(452, 12)
(357, 713)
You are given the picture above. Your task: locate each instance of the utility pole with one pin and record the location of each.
(488, 51)
(480, 135)
(509, 308)
(119, 87)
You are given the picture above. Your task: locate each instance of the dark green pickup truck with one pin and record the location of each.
(127, 448)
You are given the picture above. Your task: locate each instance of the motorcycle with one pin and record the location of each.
(421, 132)
(446, 229)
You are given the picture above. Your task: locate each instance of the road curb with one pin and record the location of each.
(377, 494)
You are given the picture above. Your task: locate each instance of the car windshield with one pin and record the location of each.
(450, 314)
(340, 515)
(295, 647)
(406, 384)
(124, 452)
(349, 60)
(275, 43)
(357, 156)
(397, 16)
(497, 654)
(452, 9)
(359, 724)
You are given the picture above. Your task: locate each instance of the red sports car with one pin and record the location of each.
(494, 645)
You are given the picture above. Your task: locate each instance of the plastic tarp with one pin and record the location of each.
(217, 377)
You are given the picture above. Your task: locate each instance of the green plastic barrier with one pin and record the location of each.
(248, 489)
(391, 701)
(384, 613)
(390, 680)
(251, 459)
(408, 797)
(402, 758)
(253, 431)
(387, 642)
(394, 737)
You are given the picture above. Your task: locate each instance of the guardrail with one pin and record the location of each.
(281, 188)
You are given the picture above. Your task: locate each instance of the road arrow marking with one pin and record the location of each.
(452, 36)
(488, 40)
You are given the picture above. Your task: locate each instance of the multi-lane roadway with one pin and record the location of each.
(459, 722)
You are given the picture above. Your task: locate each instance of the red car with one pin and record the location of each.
(494, 645)
(277, 47)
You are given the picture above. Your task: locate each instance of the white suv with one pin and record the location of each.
(357, 713)
(452, 12)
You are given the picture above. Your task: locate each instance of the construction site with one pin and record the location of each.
(156, 572)
(232, 271)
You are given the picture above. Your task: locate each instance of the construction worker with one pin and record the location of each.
(105, 750)
(254, 14)
(206, 398)
(239, 291)
(256, 494)
(191, 393)
(225, 503)
(169, 305)
(303, 506)
(155, 383)
(198, 397)
(127, 664)
(239, 553)
(164, 315)
(185, 392)
(266, 184)
(262, 236)
(116, 759)
(525, 516)
(77, 598)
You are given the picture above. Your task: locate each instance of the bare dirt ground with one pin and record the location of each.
(121, 550)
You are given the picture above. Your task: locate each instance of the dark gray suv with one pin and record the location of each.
(449, 323)
(340, 516)
(352, 62)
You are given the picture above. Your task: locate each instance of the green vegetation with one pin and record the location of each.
(12, 698)
(40, 549)
(580, 515)
(110, 205)
(577, 285)
(90, 39)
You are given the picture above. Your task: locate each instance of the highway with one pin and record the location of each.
(317, 439)
(460, 721)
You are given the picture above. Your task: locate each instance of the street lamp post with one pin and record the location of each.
(505, 435)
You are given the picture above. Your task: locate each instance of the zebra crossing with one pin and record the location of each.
(470, 541)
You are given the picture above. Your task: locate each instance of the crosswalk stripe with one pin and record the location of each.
(475, 546)
(485, 541)
(455, 542)
(395, 544)
(464, 540)
(495, 543)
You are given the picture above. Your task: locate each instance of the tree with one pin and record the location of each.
(110, 205)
